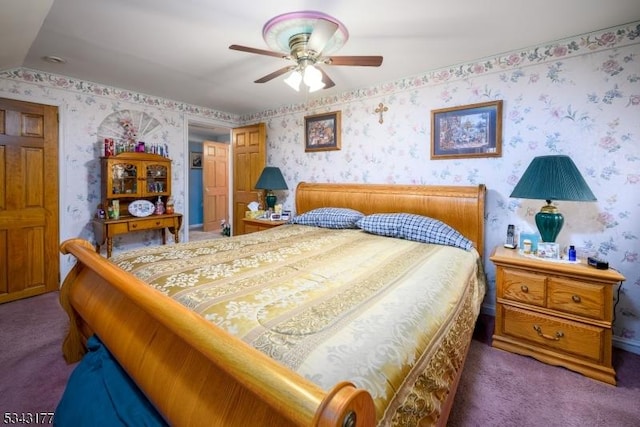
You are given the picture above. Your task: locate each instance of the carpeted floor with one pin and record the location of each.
(32, 370)
(196, 234)
(497, 388)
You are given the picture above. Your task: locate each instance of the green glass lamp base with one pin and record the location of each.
(549, 222)
(271, 200)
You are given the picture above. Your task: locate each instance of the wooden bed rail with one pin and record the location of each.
(192, 371)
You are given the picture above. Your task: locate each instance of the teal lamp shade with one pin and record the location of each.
(552, 178)
(271, 179)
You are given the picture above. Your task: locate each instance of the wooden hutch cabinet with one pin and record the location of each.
(130, 177)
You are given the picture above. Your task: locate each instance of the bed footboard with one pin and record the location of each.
(192, 371)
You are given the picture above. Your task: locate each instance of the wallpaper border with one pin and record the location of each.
(56, 81)
(614, 37)
(588, 43)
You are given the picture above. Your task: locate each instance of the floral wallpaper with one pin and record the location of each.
(579, 97)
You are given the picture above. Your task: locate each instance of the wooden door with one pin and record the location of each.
(29, 257)
(249, 158)
(215, 184)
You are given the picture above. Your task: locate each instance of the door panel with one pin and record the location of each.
(249, 158)
(29, 260)
(33, 178)
(215, 185)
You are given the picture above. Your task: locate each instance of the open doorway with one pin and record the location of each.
(198, 134)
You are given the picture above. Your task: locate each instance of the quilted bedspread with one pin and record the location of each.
(390, 315)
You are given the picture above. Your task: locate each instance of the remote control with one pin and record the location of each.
(597, 263)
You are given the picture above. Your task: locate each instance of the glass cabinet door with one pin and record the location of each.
(124, 179)
(157, 178)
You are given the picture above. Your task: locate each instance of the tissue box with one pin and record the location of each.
(253, 214)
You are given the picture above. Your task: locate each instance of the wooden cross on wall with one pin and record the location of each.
(381, 110)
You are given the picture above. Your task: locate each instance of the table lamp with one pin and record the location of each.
(550, 178)
(271, 179)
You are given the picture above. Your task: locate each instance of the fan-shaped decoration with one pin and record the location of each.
(306, 38)
(127, 126)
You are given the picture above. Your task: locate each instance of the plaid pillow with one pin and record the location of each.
(413, 227)
(329, 218)
(428, 230)
(389, 225)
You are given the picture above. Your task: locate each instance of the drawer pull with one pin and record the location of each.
(524, 288)
(576, 298)
(557, 337)
(134, 225)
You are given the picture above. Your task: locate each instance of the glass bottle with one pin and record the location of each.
(169, 206)
(159, 206)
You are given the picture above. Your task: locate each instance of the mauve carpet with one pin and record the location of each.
(497, 388)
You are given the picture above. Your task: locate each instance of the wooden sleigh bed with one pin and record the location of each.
(196, 373)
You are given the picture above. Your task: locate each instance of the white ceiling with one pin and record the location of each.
(178, 49)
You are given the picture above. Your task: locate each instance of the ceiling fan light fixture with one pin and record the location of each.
(294, 80)
(278, 30)
(315, 87)
(312, 76)
(306, 38)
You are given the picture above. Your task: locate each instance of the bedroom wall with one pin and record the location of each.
(579, 97)
(84, 107)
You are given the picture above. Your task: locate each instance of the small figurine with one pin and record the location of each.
(169, 206)
(159, 207)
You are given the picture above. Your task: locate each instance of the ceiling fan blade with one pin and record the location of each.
(275, 74)
(365, 61)
(326, 79)
(258, 51)
(322, 33)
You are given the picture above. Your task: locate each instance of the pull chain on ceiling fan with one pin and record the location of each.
(308, 37)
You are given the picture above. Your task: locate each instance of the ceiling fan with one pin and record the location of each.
(309, 38)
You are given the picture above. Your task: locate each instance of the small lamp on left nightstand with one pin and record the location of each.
(271, 179)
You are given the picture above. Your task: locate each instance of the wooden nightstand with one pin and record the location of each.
(558, 313)
(251, 225)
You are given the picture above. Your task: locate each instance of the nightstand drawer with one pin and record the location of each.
(525, 287)
(579, 298)
(563, 335)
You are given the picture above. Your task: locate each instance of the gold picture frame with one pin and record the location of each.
(322, 132)
(473, 130)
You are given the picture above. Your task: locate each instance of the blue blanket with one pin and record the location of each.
(100, 393)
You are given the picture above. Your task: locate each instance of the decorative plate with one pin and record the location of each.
(141, 208)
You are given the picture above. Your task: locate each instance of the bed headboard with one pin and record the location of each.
(461, 207)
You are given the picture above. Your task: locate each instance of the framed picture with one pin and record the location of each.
(195, 160)
(469, 131)
(322, 132)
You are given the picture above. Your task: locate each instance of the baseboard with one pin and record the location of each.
(191, 226)
(632, 346)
